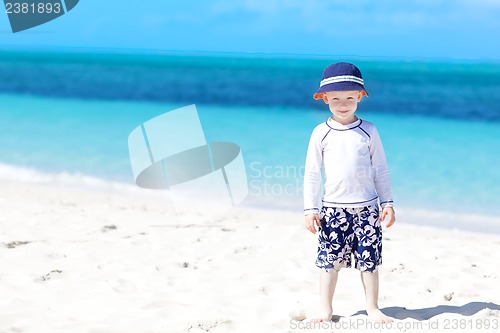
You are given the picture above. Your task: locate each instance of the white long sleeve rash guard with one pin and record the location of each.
(355, 167)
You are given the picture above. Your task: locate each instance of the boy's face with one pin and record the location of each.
(343, 104)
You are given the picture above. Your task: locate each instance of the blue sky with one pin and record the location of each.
(459, 29)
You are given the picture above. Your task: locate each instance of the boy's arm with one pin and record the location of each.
(382, 178)
(312, 174)
(381, 171)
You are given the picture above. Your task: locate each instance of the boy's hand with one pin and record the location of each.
(388, 212)
(312, 219)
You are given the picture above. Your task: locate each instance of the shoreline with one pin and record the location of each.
(443, 219)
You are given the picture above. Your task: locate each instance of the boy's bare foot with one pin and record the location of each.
(377, 316)
(323, 316)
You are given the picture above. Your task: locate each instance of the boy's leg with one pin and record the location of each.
(335, 237)
(369, 257)
(370, 284)
(327, 283)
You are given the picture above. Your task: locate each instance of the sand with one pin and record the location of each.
(81, 260)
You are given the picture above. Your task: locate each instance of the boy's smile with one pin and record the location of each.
(343, 104)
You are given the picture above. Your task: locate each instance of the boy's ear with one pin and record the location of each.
(360, 95)
(325, 98)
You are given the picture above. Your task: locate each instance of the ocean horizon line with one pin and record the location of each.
(246, 55)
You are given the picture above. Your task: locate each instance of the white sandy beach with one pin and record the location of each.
(75, 260)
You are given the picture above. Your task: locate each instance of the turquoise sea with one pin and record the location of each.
(66, 117)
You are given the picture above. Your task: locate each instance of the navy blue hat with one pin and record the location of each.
(340, 77)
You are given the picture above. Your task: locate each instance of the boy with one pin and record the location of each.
(356, 179)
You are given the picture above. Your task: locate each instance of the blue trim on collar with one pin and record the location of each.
(345, 129)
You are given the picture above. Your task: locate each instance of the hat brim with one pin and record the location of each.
(339, 86)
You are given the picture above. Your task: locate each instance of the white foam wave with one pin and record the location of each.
(408, 215)
(21, 174)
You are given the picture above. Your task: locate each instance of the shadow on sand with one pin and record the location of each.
(468, 309)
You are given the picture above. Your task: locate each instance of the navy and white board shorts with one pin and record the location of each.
(350, 231)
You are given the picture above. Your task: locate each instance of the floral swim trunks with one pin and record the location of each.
(346, 231)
